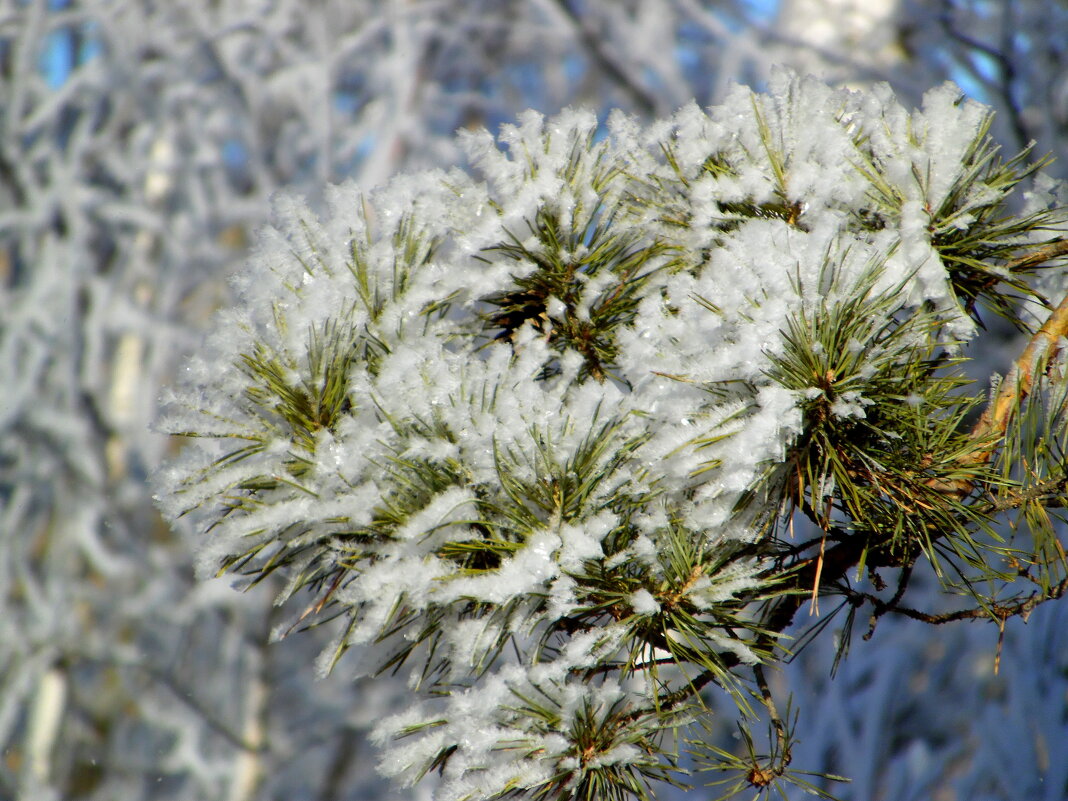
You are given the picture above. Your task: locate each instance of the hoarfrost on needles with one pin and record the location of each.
(426, 410)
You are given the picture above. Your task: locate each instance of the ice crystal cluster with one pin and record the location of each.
(531, 432)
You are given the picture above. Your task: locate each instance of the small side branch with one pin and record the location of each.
(781, 737)
(1043, 254)
(1022, 607)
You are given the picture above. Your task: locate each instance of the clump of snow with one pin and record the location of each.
(643, 602)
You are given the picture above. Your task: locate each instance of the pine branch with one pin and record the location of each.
(539, 438)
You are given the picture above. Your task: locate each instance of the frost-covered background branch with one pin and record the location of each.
(140, 142)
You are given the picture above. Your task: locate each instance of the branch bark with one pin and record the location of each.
(1019, 383)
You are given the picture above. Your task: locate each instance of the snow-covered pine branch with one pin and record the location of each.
(539, 436)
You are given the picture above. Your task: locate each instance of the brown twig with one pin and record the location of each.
(1050, 492)
(1021, 607)
(1018, 384)
(1045, 253)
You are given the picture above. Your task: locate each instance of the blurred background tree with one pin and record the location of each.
(140, 145)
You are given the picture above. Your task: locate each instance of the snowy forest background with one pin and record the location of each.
(140, 145)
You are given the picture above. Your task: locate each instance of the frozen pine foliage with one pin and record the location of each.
(545, 438)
